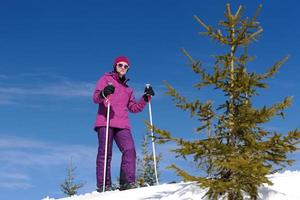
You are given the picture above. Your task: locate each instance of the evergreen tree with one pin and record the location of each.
(234, 148)
(145, 169)
(68, 187)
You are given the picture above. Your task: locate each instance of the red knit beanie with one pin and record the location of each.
(121, 59)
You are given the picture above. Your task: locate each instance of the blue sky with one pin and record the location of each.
(53, 52)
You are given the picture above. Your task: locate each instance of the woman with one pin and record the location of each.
(113, 87)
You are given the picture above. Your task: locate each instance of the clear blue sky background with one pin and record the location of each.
(53, 52)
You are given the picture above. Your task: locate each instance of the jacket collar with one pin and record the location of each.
(122, 81)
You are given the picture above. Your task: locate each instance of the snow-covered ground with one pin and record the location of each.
(286, 187)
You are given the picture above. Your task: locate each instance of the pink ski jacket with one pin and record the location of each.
(121, 101)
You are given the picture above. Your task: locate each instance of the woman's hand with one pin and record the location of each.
(148, 92)
(108, 90)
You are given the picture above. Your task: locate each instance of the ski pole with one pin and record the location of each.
(152, 135)
(107, 100)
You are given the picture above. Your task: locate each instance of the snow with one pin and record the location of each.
(286, 187)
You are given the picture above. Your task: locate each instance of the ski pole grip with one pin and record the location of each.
(108, 97)
(149, 96)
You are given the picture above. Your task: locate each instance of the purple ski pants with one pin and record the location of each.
(124, 141)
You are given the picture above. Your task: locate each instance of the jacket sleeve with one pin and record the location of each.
(99, 87)
(134, 106)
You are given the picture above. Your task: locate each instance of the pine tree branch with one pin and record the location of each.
(274, 69)
(207, 28)
(185, 175)
(253, 23)
(189, 56)
(214, 34)
(161, 136)
(196, 65)
(176, 97)
(254, 35)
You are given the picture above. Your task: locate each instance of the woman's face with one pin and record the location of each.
(122, 68)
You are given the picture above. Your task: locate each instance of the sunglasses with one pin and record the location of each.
(123, 66)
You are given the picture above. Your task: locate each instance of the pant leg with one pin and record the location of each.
(125, 143)
(101, 155)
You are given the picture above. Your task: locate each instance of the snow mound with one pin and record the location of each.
(286, 186)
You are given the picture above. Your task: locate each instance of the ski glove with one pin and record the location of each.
(110, 89)
(148, 92)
